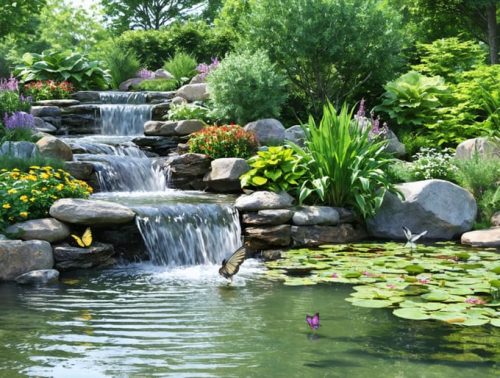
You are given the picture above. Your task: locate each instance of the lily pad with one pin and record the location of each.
(436, 296)
(370, 303)
(411, 313)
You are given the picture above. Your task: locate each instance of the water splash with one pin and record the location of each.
(184, 234)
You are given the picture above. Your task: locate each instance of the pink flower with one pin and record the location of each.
(475, 301)
(335, 275)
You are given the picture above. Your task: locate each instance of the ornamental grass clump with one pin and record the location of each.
(29, 195)
(223, 141)
(344, 168)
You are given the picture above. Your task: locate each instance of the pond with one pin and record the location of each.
(143, 320)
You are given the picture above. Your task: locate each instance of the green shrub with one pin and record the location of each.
(161, 85)
(414, 99)
(11, 101)
(29, 195)
(62, 66)
(432, 164)
(122, 64)
(182, 67)
(449, 57)
(344, 167)
(246, 87)
(277, 169)
(188, 111)
(223, 141)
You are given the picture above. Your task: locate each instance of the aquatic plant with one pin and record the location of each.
(443, 282)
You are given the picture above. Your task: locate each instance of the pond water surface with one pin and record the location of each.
(146, 321)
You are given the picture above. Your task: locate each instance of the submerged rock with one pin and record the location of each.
(18, 257)
(263, 200)
(68, 257)
(48, 229)
(444, 209)
(42, 276)
(90, 212)
(482, 238)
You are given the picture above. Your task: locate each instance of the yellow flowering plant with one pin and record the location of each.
(29, 195)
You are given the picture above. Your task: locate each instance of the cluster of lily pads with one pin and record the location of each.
(443, 282)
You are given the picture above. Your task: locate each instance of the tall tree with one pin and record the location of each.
(146, 14)
(16, 16)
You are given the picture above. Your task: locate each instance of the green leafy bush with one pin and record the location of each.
(414, 99)
(449, 57)
(182, 67)
(223, 141)
(11, 101)
(344, 168)
(277, 169)
(432, 164)
(122, 64)
(188, 111)
(246, 86)
(29, 195)
(62, 66)
(162, 85)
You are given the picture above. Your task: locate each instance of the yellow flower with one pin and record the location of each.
(57, 175)
(12, 191)
(15, 170)
(24, 198)
(6, 206)
(44, 176)
(47, 168)
(23, 214)
(14, 175)
(34, 167)
(60, 187)
(44, 189)
(31, 177)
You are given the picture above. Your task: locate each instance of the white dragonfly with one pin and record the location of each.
(412, 238)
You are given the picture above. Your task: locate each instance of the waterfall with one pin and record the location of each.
(124, 113)
(123, 168)
(186, 234)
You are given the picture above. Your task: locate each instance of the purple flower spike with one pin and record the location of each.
(10, 84)
(204, 69)
(145, 73)
(19, 120)
(361, 111)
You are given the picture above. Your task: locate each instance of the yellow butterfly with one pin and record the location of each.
(85, 240)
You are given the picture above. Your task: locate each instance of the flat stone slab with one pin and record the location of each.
(59, 103)
(68, 257)
(482, 238)
(86, 96)
(45, 111)
(268, 217)
(262, 200)
(310, 236)
(48, 229)
(312, 215)
(189, 126)
(37, 277)
(18, 257)
(160, 128)
(267, 237)
(90, 212)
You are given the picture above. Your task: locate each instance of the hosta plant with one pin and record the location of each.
(188, 111)
(277, 169)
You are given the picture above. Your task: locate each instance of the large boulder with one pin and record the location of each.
(483, 147)
(48, 229)
(24, 150)
(310, 236)
(160, 128)
(263, 200)
(193, 92)
(129, 83)
(160, 73)
(267, 217)
(296, 135)
(90, 212)
(37, 277)
(188, 126)
(495, 219)
(268, 131)
(68, 258)
(18, 257)
(394, 146)
(225, 173)
(312, 215)
(444, 209)
(55, 148)
(482, 238)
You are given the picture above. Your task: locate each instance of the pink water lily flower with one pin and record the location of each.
(475, 301)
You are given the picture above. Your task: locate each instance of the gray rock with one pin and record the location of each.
(310, 236)
(346, 215)
(54, 148)
(90, 212)
(22, 149)
(268, 217)
(18, 257)
(87, 96)
(178, 100)
(68, 258)
(45, 111)
(483, 147)
(37, 277)
(58, 103)
(189, 126)
(495, 219)
(189, 164)
(126, 239)
(80, 170)
(394, 146)
(193, 92)
(444, 209)
(157, 144)
(268, 131)
(47, 128)
(159, 96)
(3, 237)
(482, 238)
(160, 128)
(129, 83)
(296, 135)
(262, 200)
(311, 215)
(267, 237)
(160, 110)
(82, 109)
(48, 229)
(271, 254)
(197, 79)
(163, 74)
(224, 176)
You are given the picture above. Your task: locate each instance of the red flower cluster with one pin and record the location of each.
(223, 141)
(48, 90)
